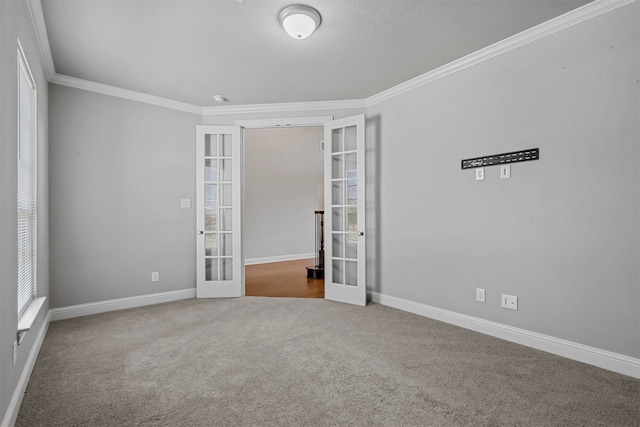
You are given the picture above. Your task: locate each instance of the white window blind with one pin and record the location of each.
(27, 212)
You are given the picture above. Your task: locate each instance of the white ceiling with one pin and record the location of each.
(189, 50)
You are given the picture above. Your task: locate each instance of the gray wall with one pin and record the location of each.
(118, 170)
(282, 169)
(563, 233)
(15, 23)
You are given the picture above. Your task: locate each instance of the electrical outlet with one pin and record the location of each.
(479, 174)
(480, 294)
(505, 171)
(510, 302)
(185, 203)
(15, 353)
(155, 276)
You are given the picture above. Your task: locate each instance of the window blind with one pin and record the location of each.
(27, 212)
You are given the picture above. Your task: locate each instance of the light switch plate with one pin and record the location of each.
(480, 174)
(505, 171)
(185, 203)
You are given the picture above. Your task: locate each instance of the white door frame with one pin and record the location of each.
(268, 123)
(283, 122)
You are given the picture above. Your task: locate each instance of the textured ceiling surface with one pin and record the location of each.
(189, 50)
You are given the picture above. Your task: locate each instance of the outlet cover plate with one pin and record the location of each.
(155, 276)
(480, 174)
(480, 295)
(510, 302)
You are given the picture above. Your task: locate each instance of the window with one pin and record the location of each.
(27, 197)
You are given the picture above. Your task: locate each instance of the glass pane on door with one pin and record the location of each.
(211, 267)
(351, 141)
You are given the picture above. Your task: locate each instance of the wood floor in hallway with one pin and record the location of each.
(282, 279)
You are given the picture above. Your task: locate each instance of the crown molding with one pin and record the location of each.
(132, 95)
(40, 28)
(573, 17)
(88, 85)
(576, 16)
(284, 107)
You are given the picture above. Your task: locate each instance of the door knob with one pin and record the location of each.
(360, 233)
(200, 232)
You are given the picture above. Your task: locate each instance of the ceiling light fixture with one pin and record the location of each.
(299, 20)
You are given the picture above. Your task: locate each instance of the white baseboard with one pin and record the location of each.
(265, 260)
(16, 400)
(119, 304)
(594, 356)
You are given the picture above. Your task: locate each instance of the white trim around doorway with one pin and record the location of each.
(283, 122)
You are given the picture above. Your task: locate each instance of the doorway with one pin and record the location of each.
(220, 208)
(283, 187)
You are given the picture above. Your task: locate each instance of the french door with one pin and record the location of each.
(344, 178)
(219, 262)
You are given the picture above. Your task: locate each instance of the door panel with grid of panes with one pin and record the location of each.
(219, 261)
(345, 270)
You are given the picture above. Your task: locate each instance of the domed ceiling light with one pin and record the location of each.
(299, 20)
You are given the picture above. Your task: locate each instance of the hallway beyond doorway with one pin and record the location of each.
(282, 279)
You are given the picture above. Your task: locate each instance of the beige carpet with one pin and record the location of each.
(306, 362)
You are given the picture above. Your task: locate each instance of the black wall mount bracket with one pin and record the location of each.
(499, 159)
